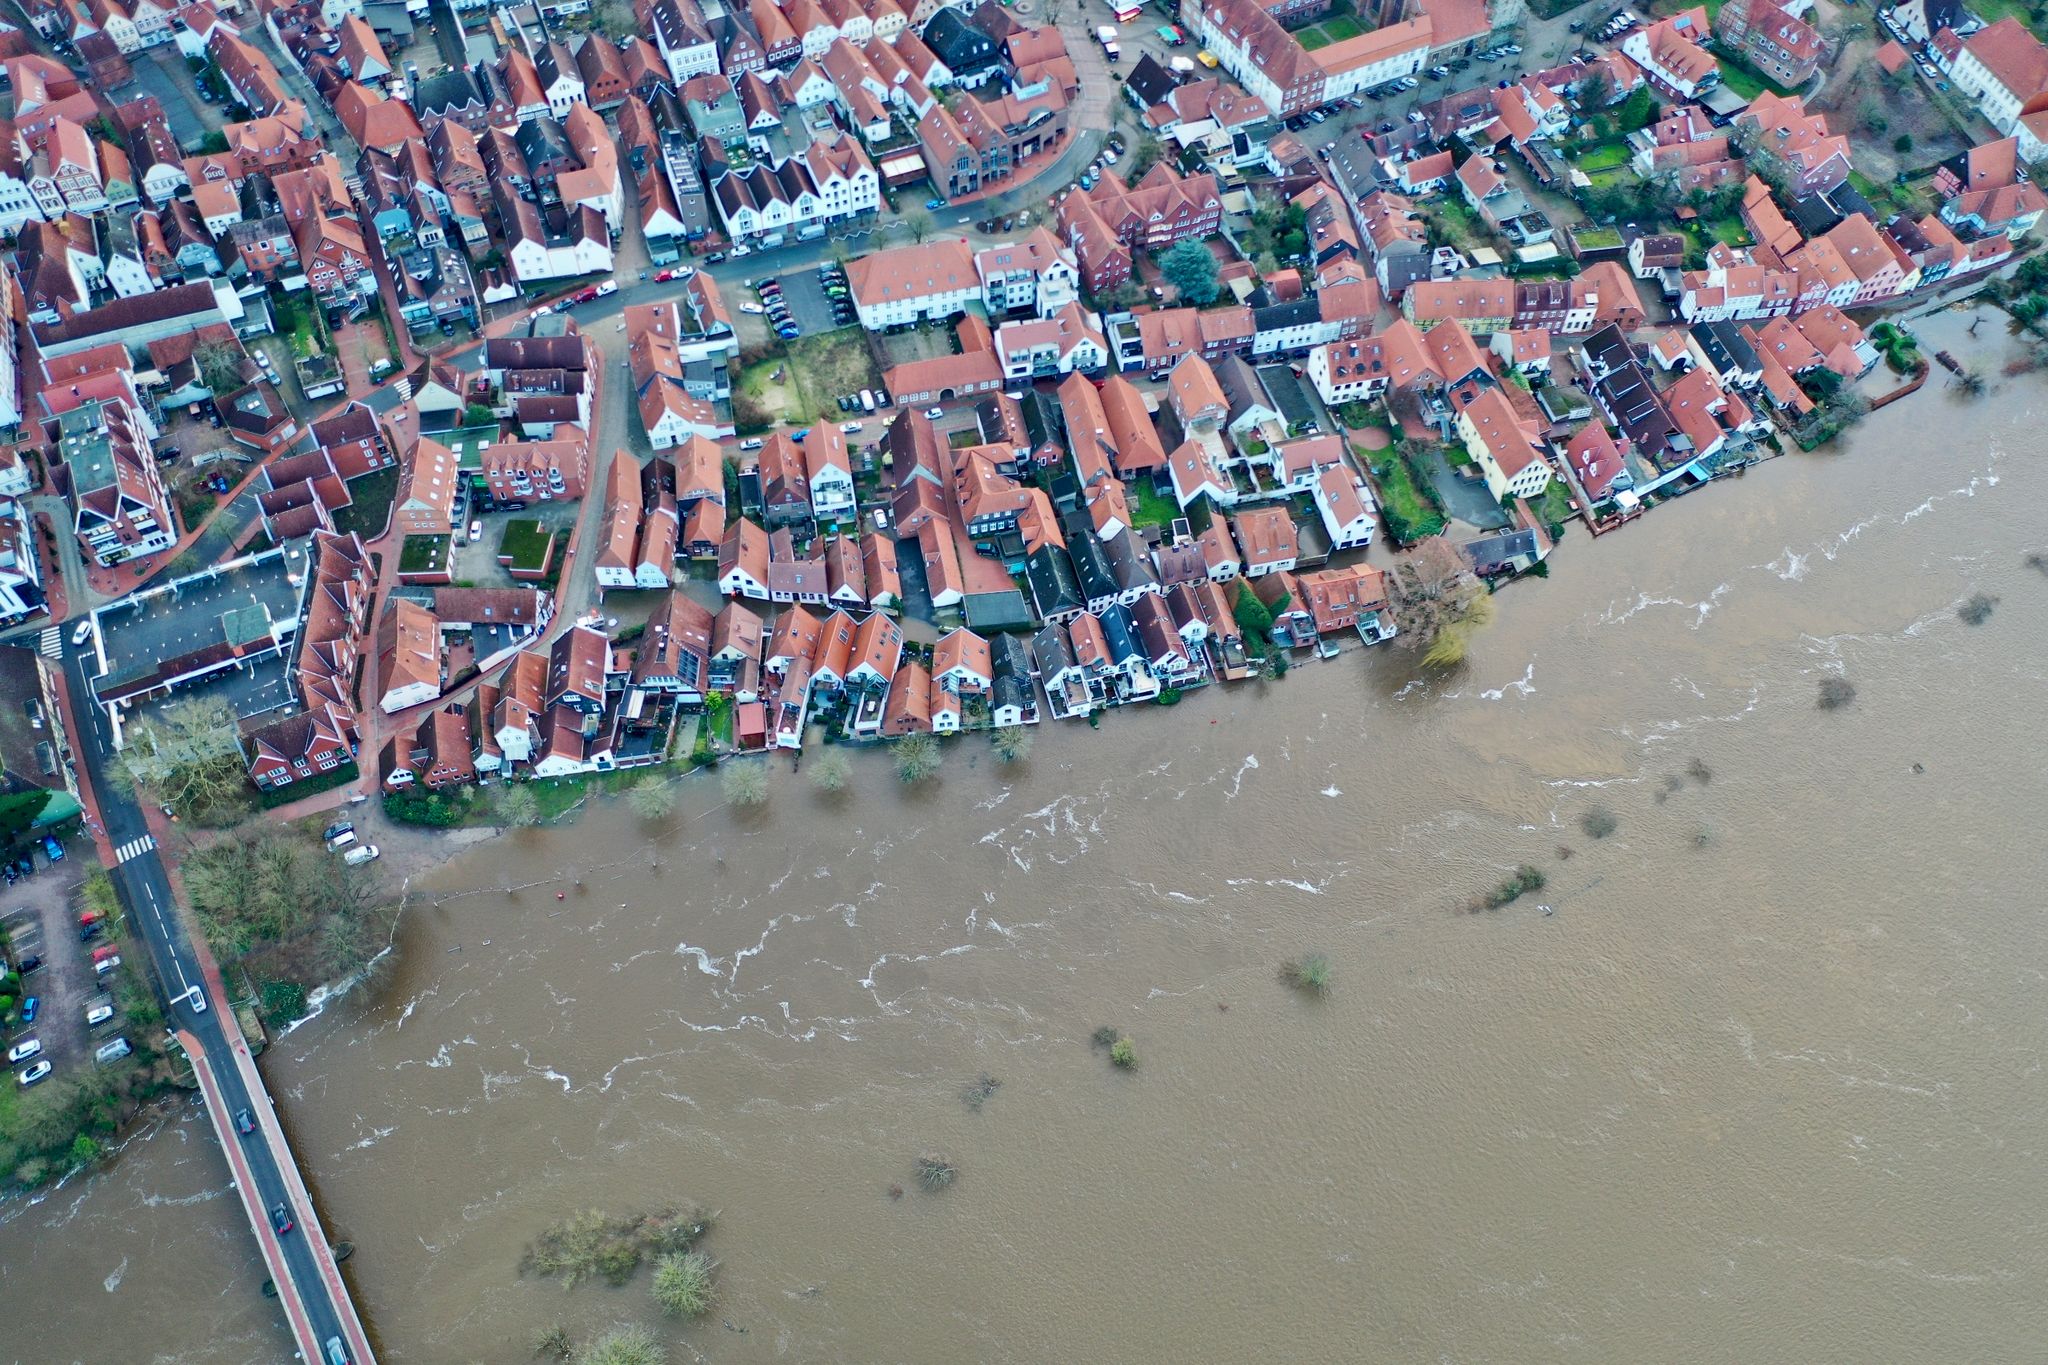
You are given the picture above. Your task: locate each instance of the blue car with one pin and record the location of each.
(798, 436)
(29, 1008)
(54, 849)
(935, 203)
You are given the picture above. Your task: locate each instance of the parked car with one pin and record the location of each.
(30, 1075)
(849, 428)
(341, 841)
(25, 1049)
(102, 965)
(476, 532)
(752, 308)
(935, 203)
(338, 828)
(356, 857)
(113, 1052)
(29, 1008)
(97, 1015)
(32, 963)
(281, 1219)
(934, 413)
(751, 443)
(82, 632)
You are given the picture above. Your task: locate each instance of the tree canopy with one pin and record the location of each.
(1190, 268)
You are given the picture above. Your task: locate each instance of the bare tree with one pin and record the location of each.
(220, 366)
(918, 222)
(1441, 602)
(185, 754)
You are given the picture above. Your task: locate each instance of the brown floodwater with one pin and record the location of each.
(1755, 1077)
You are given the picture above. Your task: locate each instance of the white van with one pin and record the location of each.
(356, 857)
(341, 841)
(112, 1052)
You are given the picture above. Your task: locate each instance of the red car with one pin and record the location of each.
(586, 295)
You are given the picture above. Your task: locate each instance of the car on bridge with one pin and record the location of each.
(281, 1219)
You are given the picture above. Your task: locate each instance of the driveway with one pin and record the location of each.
(166, 76)
(1466, 500)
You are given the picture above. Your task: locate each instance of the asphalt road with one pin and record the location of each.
(152, 912)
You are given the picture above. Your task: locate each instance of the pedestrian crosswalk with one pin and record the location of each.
(51, 645)
(134, 848)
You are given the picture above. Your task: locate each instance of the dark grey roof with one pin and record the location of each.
(1488, 553)
(453, 88)
(1092, 569)
(1054, 587)
(1053, 649)
(1241, 388)
(1009, 657)
(1276, 317)
(957, 43)
(1631, 400)
(1132, 566)
(1149, 82)
(1005, 610)
(1120, 633)
(1726, 348)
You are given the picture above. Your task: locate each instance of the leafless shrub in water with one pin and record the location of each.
(935, 1172)
(1977, 610)
(1836, 693)
(1699, 772)
(979, 1091)
(1599, 823)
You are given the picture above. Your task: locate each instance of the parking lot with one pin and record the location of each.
(809, 304)
(42, 927)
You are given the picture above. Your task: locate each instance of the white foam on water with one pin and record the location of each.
(1526, 685)
(113, 1281)
(1250, 764)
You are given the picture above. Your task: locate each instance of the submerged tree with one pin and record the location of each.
(652, 797)
(744, 783)
(1012, 743)
(830, 771)
(918, 758)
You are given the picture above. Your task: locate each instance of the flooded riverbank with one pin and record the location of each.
(1760, 1086)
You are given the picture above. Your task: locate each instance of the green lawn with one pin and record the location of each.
(371, 507)
(420, 554)
(1455, 223)
(526, 544)
(1744, 79)
(1335, 29)
(1604, 156)
(1409, 516)
(1149, 508)
(1458, 456)
(1991, 11)
(1554, 507)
